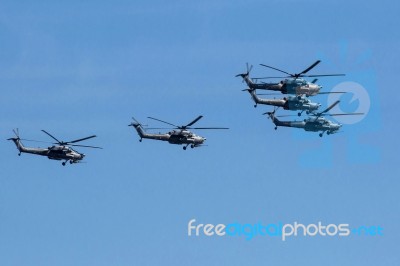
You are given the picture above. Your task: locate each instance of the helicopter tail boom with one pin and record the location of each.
(279, 123)
(143, 135)
(22, 149)
(273, 102)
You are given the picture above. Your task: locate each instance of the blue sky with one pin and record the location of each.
(78, 68)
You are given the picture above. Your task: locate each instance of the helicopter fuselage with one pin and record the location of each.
(321, 124)
(64, 153)
(297, 86)
(292, 103)
(179, 137)
(318, 124)
(185, 137)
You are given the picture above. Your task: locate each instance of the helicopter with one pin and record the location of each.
(292, 103)
(60, 151)
(180, 135)
(315, 123)
(292, 84)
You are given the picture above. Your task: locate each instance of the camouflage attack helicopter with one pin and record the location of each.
(293, 103)
(315, 123)
(59, 151)
(292, 84)
(180, 135)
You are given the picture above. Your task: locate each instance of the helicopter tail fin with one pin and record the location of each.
(246, 76)
(138, 127)
(276, 121)
(272, 116)
(17, 140)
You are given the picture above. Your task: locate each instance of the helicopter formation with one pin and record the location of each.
(297, 89)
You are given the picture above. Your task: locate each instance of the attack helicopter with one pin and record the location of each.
(292, 84)
(315, 123)
(293, 103)
(61, 150)
(180, 135)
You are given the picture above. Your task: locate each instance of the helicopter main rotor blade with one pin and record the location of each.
(194, 121)
(273, 77)
(59, 142)
(309, 68)
(287, 115)
(32, 140)
(345, 114)
(209, 128)
(307, 76)
(160, 128)
(329, 108)
(78, 140)
(270, 94)
(86, 146)
(323, 75)
(329, 92)
(277, 69)
(162, 121)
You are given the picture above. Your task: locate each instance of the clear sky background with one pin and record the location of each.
(76, 68)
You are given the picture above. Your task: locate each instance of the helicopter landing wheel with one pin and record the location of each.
(255, 105)
(192, 146)
(299, 114)
(184, 147)
(275, 128)
(71, 162)
(19, 154)
(63, 164)
(140, 140)
(320, 134)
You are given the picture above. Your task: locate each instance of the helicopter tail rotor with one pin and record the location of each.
(16, 132)
(245, 75)
(271, 115)
(17, 141)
